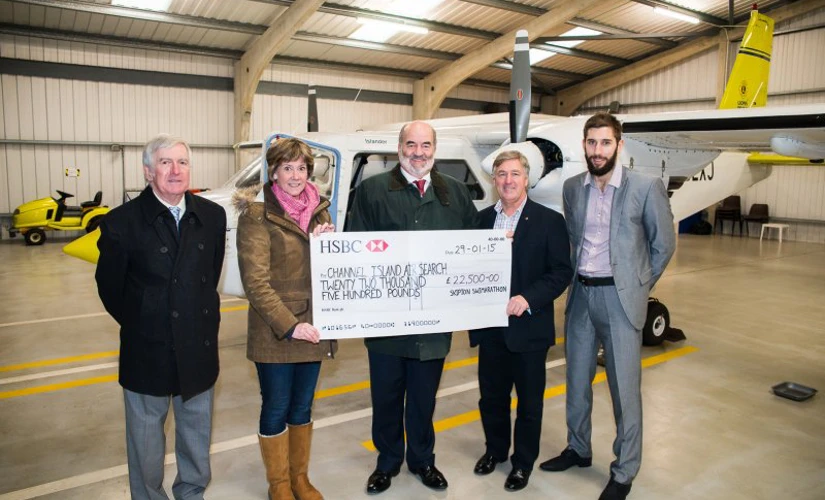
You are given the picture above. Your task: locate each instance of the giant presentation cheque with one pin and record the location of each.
(379, 284)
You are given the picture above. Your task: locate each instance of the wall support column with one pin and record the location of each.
(249, 69)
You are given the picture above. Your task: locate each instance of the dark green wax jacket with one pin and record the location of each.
(387, 202)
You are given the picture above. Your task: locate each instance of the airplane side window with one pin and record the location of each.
(459, 170)
(249, 176)
(322, 175)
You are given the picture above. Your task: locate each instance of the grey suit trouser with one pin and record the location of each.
(596, 316)
(146, 444)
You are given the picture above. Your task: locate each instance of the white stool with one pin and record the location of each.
(771, 225)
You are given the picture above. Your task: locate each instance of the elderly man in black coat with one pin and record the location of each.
(161, 256)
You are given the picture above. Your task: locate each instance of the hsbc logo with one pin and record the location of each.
(377, 245)
(354, 246)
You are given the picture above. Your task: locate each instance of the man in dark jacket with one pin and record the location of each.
(516, 354)
(412, 197)
(161, 256)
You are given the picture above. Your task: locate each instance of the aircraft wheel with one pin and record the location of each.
(92, 224)
(658, 321)
(35, 236)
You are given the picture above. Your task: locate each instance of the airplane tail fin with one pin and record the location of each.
(85, 247)
(748, 82)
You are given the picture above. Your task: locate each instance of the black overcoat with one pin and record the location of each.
(160, 285)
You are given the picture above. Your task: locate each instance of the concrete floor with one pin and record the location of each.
(754, 315)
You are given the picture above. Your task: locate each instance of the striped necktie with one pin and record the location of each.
(176, 214)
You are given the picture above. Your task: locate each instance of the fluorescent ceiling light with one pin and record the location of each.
(395, 26)
(381, 31)
(675, 15)
(537, 55)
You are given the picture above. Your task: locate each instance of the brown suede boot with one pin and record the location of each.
(300, 438)
(275, 452)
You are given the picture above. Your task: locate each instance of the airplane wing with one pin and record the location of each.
(788, 130)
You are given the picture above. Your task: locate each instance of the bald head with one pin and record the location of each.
(416, 148)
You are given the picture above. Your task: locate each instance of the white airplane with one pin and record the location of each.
(675, 147)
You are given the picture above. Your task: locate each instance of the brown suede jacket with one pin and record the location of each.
(273, 256)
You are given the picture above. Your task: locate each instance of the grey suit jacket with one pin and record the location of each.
(642, 238)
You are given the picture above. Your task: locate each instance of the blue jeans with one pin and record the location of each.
(287, 390)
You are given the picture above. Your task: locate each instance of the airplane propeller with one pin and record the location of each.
(520, 106)
(520, 89)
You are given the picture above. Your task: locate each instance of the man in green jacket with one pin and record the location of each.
(411, 197)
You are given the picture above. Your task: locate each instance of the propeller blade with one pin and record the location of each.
(312, 111)
(520, 89)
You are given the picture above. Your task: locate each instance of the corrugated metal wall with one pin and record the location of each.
(74, 112)
(797, 77)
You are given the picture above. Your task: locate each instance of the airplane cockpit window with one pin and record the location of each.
(323, 175)
(458, 169)
(553, 156)
(248, 176)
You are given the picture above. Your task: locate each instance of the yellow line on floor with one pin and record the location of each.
(86, 357)
(57, 387)
(58, 361)
(551, 392)
(324, 393)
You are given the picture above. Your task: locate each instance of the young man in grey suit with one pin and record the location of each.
(622, 237)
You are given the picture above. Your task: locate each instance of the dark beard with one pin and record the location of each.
(598, 172)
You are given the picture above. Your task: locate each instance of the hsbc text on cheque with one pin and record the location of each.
(379, 284)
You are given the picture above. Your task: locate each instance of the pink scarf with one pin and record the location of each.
(299, 209)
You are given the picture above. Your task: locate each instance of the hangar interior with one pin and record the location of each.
(83, 84)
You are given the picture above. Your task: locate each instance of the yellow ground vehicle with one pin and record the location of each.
(34, 218)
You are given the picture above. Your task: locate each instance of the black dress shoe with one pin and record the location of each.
(615, 490)
(431, 477)
(567, 459)
(379, 481)
(517, 480)
(486, 464)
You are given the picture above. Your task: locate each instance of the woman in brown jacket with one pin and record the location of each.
(273, 255)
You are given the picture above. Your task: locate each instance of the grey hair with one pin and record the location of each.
(162, 141)
(404, 131)
(511, 155)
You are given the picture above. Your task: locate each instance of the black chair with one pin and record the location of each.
(731, 209)
(93, 203)
(758, 213)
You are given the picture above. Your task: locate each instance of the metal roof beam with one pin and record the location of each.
(529, 10)
(346, 10)
(582, 54)
(305, 36)
(612, 30)
(116, 41)
(509, 6)
(330, 8)
(634, 36)
(149, 15)
(537, 70)
(705, 18)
